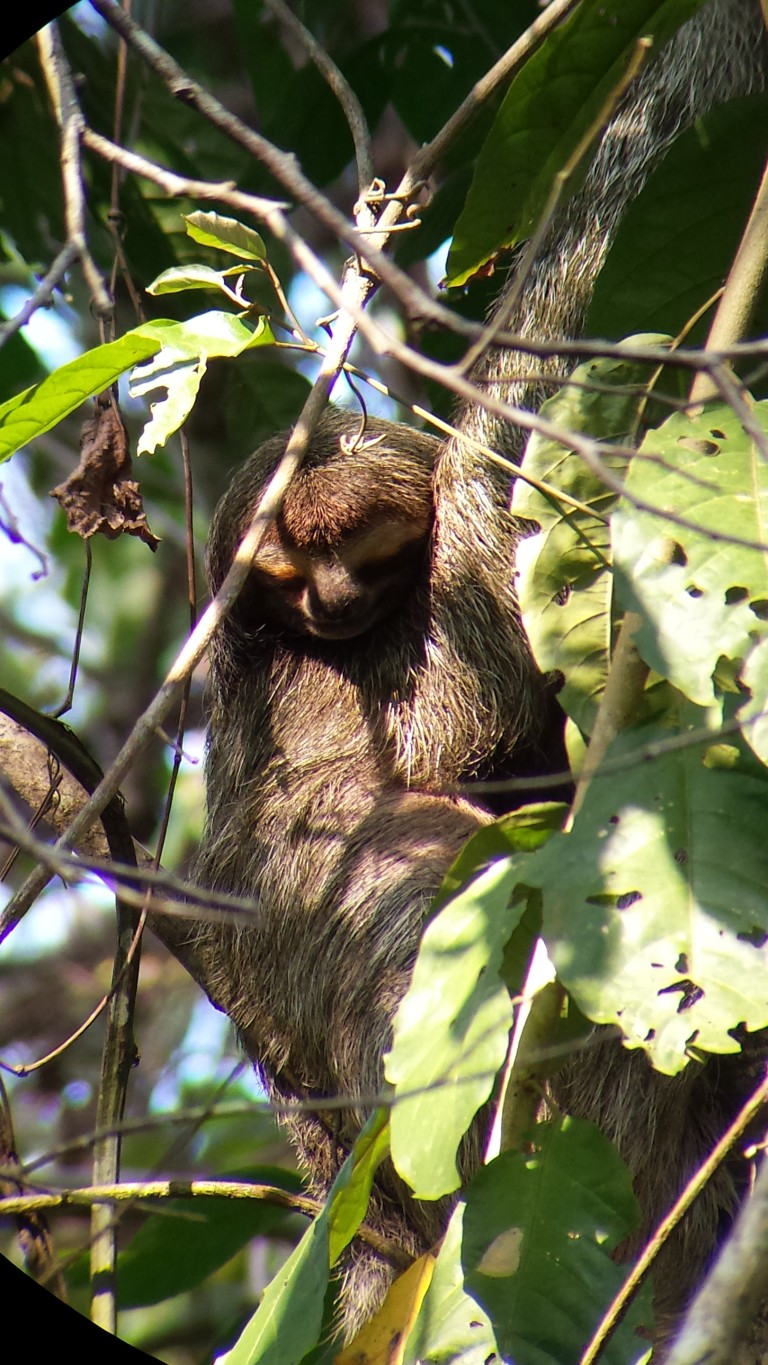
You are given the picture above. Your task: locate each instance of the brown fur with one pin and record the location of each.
(329, 760)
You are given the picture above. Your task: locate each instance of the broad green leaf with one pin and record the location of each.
(451, 1031)
(700, 596)
(181, 277)
(564, 576)
(675, 242)
(349, 1197)
(177, 1248)
(39, 408)
(287, 1322)
(226, 234)
(521, 831)
(539, 1229)
(181, 363)
(208, 334)
(181, 382)
(549, 107)
(655, 904)
(451, 1325)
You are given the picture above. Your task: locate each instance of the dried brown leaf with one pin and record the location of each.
(100, 494)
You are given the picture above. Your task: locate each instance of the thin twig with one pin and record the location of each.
(592, 452)
(350, 104)
(739, 400)
(75, 660)
(193, 1189)
(433, 152)
(414, 299)
(70, 121)
(27, 1068)
(723, 1311)
(33, 1233)
(693, 1189)
(43, 294)
(284, 166)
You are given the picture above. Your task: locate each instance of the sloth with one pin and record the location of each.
(374, 665)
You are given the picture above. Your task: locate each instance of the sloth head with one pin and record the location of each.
(352, 536)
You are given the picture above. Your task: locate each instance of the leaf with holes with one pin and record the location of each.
(655, 904)
(564, 578)
(701, 595)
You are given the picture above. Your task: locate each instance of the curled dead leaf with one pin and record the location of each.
(100, 494)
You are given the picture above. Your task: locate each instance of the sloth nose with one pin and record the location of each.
(334, 593)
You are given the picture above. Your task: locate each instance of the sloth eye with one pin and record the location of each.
(379, 567)
(385, 561)
(293, 584)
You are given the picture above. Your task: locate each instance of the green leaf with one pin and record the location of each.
(564, 577)
(655, 904)
(181, 277)
(451, 1031)
(209, 334)
(522, 830)
(700, 597)
(539, 1228)
(181, 382)
(287, 1323)
(451, 1325)
(180, 351)
(181, 363)
(226, 234)
(351, 1192)
(676, 240)
(33, 412)
(176, 1249)
(551, 104)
